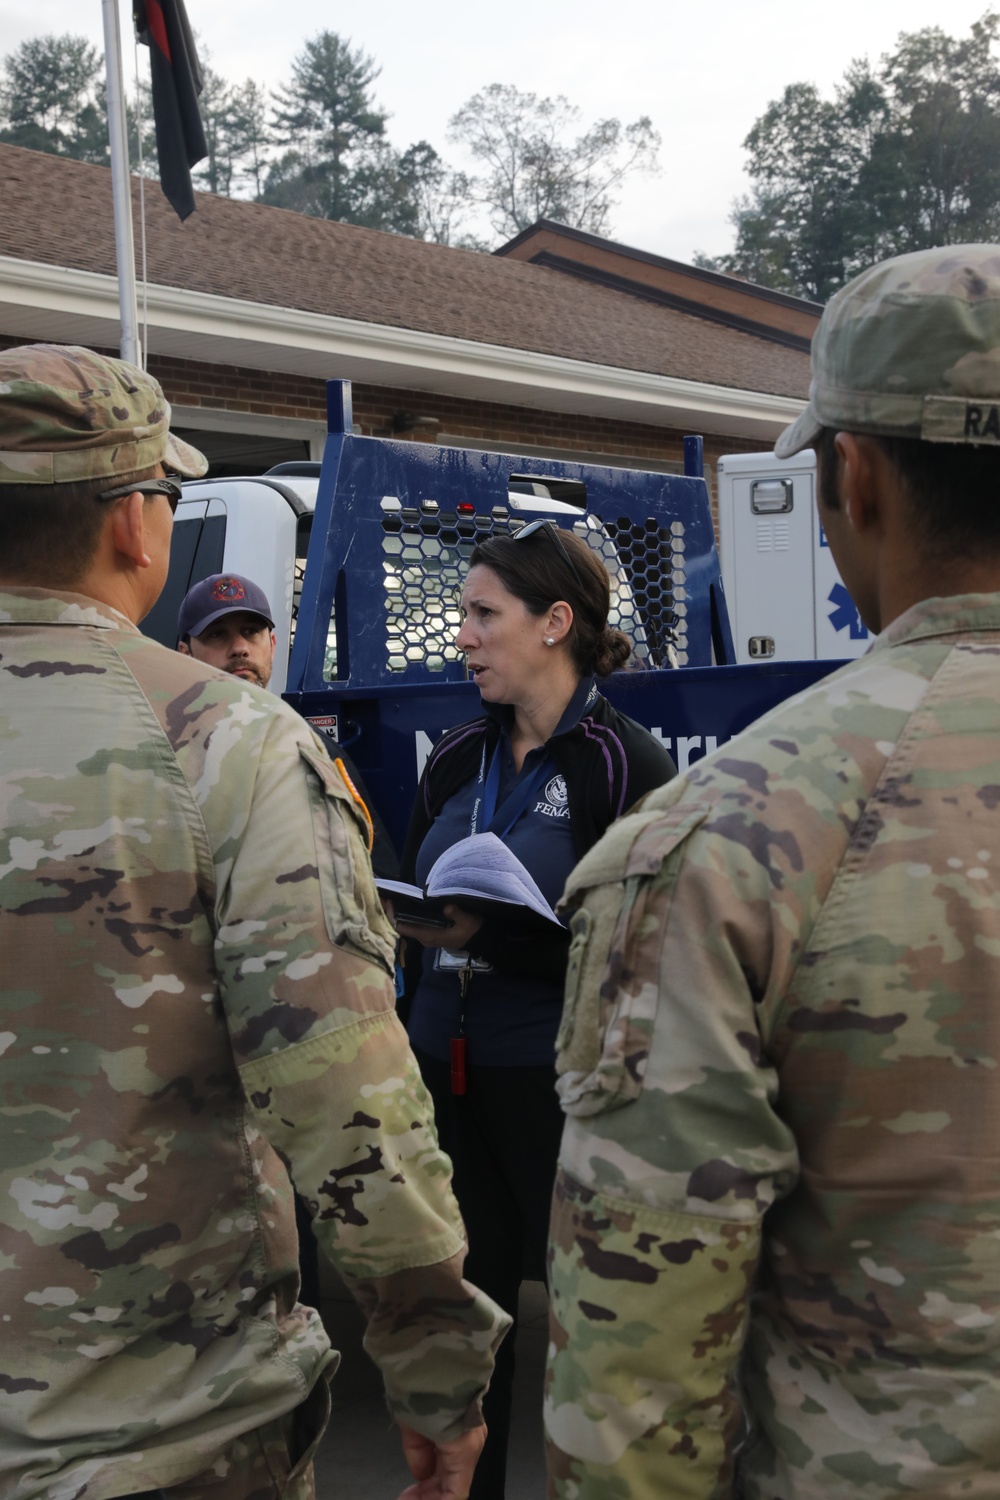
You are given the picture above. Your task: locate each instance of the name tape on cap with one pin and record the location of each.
(955, 419)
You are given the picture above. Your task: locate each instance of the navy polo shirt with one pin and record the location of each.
(507, 1022)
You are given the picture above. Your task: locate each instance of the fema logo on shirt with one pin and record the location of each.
(556, 804)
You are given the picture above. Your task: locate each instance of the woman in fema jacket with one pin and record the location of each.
(548, 766)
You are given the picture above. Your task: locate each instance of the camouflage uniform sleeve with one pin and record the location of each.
(305, 959)
(671, 1155)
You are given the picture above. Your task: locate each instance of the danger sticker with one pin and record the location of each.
(325, 724)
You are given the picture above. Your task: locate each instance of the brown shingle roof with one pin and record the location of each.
(725, 299)
(59, 212)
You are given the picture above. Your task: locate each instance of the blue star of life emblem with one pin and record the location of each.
(844, 615)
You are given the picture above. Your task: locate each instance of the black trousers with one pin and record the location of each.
(503, 1138)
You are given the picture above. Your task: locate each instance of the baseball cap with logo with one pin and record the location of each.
(911, 349)
(68, 414)
(221, 594)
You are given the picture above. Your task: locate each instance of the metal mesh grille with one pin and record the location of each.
(648, 585)
(426, 557)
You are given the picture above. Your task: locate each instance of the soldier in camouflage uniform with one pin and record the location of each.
(775, 1245)
(197, 995)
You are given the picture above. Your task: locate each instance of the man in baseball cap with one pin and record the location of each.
(226, 621)
(198, 1001)
(780, 1057)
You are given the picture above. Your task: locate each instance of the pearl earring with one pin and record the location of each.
(549, 641)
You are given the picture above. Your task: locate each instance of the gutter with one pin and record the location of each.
(64, 305)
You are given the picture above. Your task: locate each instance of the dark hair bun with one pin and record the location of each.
(611, 651)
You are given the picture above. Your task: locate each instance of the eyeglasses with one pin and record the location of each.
(551, 530)
(168, 487)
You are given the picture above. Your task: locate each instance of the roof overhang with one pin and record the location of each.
(41, 301)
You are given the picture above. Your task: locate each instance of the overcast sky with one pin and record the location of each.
(703, 72)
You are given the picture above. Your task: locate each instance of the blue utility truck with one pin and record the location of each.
(363, 559)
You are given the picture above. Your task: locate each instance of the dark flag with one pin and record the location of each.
(177, 81)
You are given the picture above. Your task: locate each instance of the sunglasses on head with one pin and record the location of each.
(168, 487)
(551, 530)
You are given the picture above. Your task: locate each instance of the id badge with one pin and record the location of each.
(453, 961)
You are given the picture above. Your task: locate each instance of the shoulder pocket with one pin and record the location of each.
(621, 892)
(341, 826)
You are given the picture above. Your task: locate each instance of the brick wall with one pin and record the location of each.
(384, 412)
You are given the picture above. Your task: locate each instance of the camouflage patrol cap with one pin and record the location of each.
(910, 348)
(68, 414)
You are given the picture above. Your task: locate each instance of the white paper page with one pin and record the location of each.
(482, 865)
(399, 888)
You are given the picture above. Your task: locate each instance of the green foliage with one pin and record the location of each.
(249, 135)
(905, 156)
(319, 144)
(536, 168)
(215, 173)
(52, 98)
(339, 163)
(237, 134)
(950, 93)
(441, 197)
(327, 118)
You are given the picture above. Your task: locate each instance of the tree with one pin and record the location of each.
(441, 197)
(237, 134)
(329, 121)
(215, 173)
(52, 98)
(337, 161)
(904, 157)
(764, 250)
(948, 143)
(536, 168)
(798, 227)
(250, 134)
(382, 190)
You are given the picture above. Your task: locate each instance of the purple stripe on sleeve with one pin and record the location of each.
(589, 727)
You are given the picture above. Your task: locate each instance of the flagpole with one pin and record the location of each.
(124, 248)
